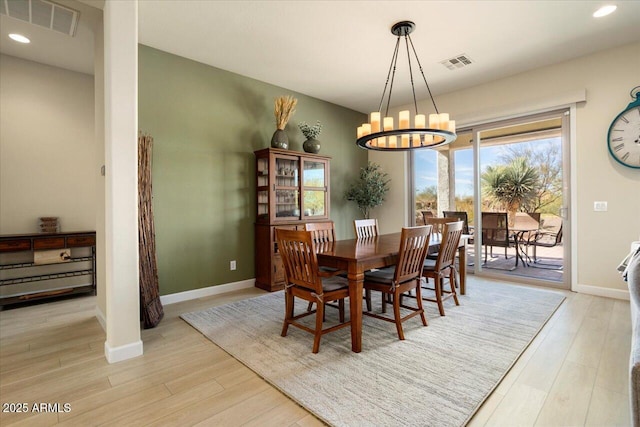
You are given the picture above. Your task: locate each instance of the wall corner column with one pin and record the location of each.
(121, 180)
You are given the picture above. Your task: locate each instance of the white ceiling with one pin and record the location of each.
(340, 51)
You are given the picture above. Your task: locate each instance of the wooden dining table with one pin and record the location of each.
(355, 256)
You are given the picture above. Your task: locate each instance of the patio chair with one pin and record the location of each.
(495, 232)
(546, 239)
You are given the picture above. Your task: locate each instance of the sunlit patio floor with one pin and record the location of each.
(549, 265)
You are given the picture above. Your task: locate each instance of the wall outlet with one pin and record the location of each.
(232, 265)
(600, 206)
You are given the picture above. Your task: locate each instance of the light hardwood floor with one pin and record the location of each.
(574, 373)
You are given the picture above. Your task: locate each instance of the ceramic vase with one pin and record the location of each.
(280, 139)
(311, 145)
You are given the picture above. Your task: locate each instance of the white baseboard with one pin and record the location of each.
(603, 292)
(102, 319)
(206, 292)
(124, 352)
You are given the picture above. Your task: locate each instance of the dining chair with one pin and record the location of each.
(366, 227)
(323, 233)
(402, 277)
(436, 233)
(425, 215)
(304, 280)
(444, 265)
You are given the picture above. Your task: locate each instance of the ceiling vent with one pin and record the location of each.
(43, 13)
(458, 61)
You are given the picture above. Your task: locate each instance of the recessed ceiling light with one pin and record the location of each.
(604, 11)
(19, 38)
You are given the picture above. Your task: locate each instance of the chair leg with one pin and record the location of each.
(438, 291)
(396, 314)
(419, 302)
(318, 331)
(384, 302)
(452, 284)
(310, 306)
(367, 298)
(288, 311)
(341, 309)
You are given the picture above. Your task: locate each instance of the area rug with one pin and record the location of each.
(438, 376)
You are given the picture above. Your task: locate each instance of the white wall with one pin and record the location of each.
(47, 147)
(603, 238)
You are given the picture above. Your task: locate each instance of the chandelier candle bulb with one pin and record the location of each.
(420, 121)
(416, 140)
(403, 119)
(405, 141)
(452, 126)
(444, 121)
(393, 141)
(366, 129)
(428, 139)
(388, 123)
(434, 121)
(359, 132)
(375, 122)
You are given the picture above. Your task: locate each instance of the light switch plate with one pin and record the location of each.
(600, 206)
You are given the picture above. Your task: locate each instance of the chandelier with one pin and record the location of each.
(380, 133)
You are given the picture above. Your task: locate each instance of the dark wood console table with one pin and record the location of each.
(19, 271)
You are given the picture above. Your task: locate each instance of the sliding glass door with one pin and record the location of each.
(510, 177)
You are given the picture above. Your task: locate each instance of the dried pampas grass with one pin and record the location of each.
(284, 108)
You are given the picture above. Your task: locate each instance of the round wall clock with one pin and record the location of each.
(624, 134)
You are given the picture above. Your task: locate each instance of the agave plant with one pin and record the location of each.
(510, 186)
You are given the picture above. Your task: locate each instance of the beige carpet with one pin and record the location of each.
(438, 376)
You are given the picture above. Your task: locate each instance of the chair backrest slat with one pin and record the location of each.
(366, 227)
(298, 254)
(414, 243)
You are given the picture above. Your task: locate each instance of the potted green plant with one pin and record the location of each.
(311, 145)
(369, 190)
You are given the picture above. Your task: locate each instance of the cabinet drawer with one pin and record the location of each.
(48, 243)
(78, 241)
(15, 245)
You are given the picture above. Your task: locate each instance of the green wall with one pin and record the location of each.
(206, 124)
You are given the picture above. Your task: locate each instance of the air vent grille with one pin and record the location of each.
(42, 13)
(458, 61)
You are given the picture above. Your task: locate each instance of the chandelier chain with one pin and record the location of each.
(413, 88)
(391, 66)
(423, 77)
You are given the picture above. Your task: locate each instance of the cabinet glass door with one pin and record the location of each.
(314, 193)
(262, 173)
(287, 173)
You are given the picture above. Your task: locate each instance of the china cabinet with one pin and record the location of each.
(291, 188)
